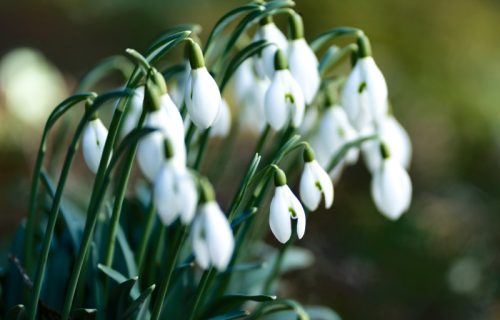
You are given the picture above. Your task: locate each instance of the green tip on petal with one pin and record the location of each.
(195, 55)
(279, 177)
(280, 62)
(365, 49)
(384, 151)
(207, 193)
(168, 149)
(159, 81)
(308, 154)
(296, 26)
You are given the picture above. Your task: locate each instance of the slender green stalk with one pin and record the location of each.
(202, 149)
(205, 280)
(92, 213)
(35, 182)
(165, 283)
(277, 264)
(148, 228)
(54, 212)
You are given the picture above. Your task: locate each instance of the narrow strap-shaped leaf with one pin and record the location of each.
(245, 215)
(64, 106)
(333, 57)
(112, 273)
(245, 53)
(228, 18)
(130, 139)
(328, 35)
(237, 314)
(232, 301)
(170, 34)
(162, 47)
(127, 252)
(120, 297)
(242, 267)
(102, 69)
(173, 71)
(136, 305)
(345, 148)
(74, 228)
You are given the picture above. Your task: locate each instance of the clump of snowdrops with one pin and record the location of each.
(151, 240)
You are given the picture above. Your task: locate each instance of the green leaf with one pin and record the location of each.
(245, 53)
(17, 312)
(333, 56)
(245, 215)
(253, 17)
(137, 304)
(229, 17)
(128, 255)
(172, 33)
(237, 314)
(331, 34)
(173, 71)
(113, 274)
(64, 106)
(120, 297)
(84, 314)
(321, 313)
(243, 267)
(160, 48)
(232, 301)
(345, 148)
(102, 69)
(72, 221)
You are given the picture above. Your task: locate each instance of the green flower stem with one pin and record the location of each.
(54, 212)
(148, 228)
(165, 283)
(278, 306)
(277, 264)
(202, 149)
(205, 281)
(35, 182)
(332, 34)
(97, 196)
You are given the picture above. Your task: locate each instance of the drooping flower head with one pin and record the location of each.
(302, 60)
(364, 96)
(284, 102)
(175, 190)
(93, 140)
(391, 186)
(264, 63)
(315, 183)
(163, 115)
(202, 94)
(212, 237)
(284, 207)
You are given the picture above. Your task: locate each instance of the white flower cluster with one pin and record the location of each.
(278, 88)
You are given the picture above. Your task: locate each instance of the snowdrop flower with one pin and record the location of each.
(222, 123)
(364, 96)
(285, 207)
(268, 31)
(249, 91)
(202, 94)
(391, 187)
(333, 133)
(175, 190)
(212, 237)
(302, 60)
(93, 140)
(167, 119)
(284, 102)
(315, 183)
(395, 138)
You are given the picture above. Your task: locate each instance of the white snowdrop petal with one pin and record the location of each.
(93, 140)
(398, 141)
(298, 105)
(188, 198)
(219, 236)
(202, 98)
(304, 68)
(279, 215)
(326, 184)
(309, 193)
(200, 247)
(133, 112)
(150, 154)
(222, 123)
(300, 215)
(391, 189)
(276, 108)
(376, 88)
(350, 94)
(165, 195)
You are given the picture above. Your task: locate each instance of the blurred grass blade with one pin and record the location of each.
(162, 46)
(137, 304)
(112, 273)
(84, 314)
(237, 314)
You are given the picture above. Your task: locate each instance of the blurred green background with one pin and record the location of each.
(441, 59)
